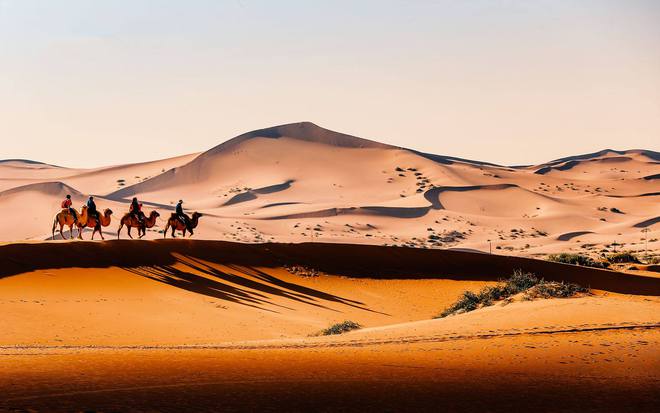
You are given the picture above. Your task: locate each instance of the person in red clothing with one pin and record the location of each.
(67, 204)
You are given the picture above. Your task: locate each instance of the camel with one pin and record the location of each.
(130, 221)
(86, 221)
(177, 225)
(64, 218)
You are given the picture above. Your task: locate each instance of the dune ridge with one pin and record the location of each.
(357, 261)
(299, 181)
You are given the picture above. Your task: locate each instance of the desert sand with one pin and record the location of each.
(303, 228)
(208, 325)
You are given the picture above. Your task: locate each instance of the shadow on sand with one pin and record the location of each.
(248, 286)
(355, 261)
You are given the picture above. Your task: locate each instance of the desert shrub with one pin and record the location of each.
(519, 282)
(621, 257)
(554, 289)
(616, 210)
(467, 302)
(340, 328)
(577, 259)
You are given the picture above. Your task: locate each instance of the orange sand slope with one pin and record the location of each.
(208, 325)
(298, 182)
(135, 293)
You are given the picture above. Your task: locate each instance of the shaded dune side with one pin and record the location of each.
(394, 212)
(572, 164)
(341, 259)
(647, 223)
(252, 194)
(47, 188)
(570, 235)
(432, 196)
(649, 154)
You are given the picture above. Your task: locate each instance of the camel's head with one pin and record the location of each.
(154, 214)
(107, 212)
(196, 215)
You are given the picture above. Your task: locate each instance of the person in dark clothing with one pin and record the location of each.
(183, 217)
(67, 204)
(136, 210)
(91, 208)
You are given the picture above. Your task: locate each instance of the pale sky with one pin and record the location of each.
(91, 83)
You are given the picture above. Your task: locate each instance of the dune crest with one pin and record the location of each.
(299, 181)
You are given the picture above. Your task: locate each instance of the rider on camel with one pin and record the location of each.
(136, 211)
(91, 208)
(67, 204)
(181, 216)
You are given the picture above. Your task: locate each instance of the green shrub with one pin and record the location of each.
(577, 259)
(340, 328)
(519, 282)
(467, 302)
(621, 257)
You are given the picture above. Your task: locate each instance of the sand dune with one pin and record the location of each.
(206, 325)
(159, 292)
(291, 182)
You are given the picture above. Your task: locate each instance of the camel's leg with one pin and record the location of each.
(128, 228)
(100, 230)
(121, 225)
(71, 231)
(80, 232)
(62, 232)
(167, 227)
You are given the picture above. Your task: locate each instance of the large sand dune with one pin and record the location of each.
(299, 182)
(206, 326)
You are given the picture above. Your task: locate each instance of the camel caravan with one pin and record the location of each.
(89, 217)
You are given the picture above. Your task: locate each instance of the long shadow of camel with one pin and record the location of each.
(249, 292)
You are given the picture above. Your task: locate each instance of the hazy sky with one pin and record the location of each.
(89, 83)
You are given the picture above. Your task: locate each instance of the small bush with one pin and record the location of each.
(340, 328)
(621, 257)
(577, 259)
(616, 210)
(519, 282)
(554, 290)
(467, 302)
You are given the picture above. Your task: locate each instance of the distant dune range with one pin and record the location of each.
(300, 182)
